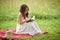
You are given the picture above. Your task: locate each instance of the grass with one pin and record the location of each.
(47, 13)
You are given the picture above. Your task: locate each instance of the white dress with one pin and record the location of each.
(28, 28)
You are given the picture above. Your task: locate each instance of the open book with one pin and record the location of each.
(32, 19)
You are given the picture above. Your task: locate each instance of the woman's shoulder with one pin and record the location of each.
(19, 14)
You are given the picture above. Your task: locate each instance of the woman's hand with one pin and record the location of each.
(27, 19)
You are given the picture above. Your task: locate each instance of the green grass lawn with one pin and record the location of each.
(47, 13)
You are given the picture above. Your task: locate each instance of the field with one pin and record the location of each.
(46, 12)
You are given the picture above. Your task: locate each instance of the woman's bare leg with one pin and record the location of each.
(35, 34)
(43, 32)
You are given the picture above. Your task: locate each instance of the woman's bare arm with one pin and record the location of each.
(20, 21)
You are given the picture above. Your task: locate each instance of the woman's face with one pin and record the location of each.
(26, 10)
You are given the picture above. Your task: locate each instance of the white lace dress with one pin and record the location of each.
(28, 28)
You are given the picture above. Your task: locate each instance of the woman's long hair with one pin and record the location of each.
(22, 10)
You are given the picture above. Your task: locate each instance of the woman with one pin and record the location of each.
(25, 24)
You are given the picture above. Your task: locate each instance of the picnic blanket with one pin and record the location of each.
(3, 32)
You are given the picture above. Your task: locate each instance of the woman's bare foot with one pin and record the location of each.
(44, 32)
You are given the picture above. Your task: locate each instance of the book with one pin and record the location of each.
(32, 19)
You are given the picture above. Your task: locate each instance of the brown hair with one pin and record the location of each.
(22, 10)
